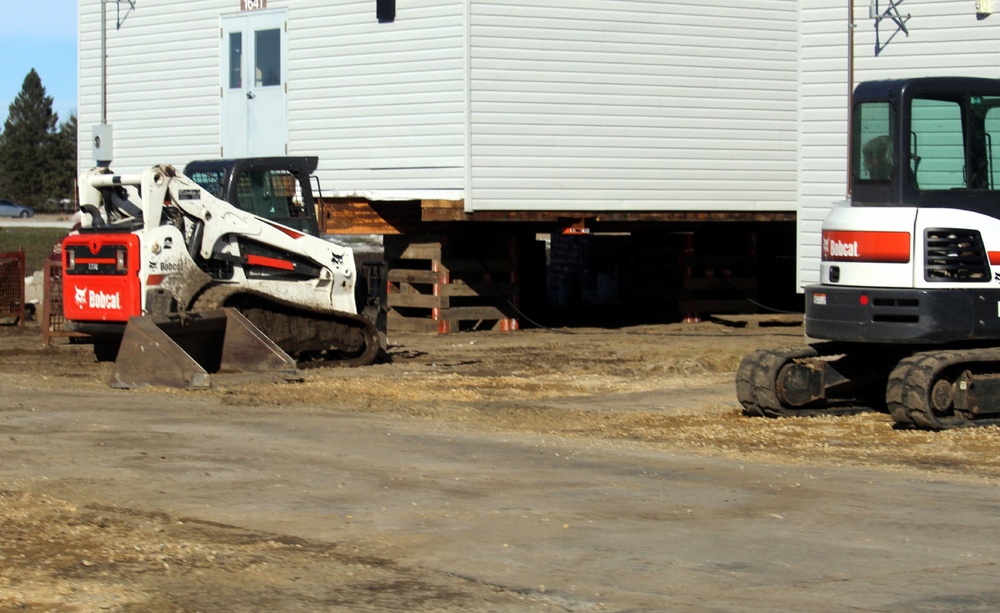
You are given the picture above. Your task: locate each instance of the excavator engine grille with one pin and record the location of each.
(952, 255)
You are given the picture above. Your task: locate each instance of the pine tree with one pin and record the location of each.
(27, 144)
(60, 179)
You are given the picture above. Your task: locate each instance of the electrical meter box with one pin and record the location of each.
(103, 140)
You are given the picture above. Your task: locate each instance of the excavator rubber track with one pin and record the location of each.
(941, 390)
(756, 377)
(314, 337)
(759, 384)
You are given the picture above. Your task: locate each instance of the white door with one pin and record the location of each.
(254, 95)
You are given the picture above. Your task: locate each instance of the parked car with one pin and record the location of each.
(9, 208)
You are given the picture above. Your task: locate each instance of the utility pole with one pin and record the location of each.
(104, 62)
(103, 135)
(850, 89)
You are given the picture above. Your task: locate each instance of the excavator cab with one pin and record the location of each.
(926, 142)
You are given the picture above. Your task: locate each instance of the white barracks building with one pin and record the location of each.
(634, 117)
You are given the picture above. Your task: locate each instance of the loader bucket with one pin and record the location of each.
(193, 350)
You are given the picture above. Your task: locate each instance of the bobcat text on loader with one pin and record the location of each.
(179, 284)
(909, 295)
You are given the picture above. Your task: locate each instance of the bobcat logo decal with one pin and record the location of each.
(81, 296)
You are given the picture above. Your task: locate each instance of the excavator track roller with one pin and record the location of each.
(799, 384)
(942, 395)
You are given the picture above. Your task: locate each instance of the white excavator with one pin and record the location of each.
(906, 317)
(179, 284)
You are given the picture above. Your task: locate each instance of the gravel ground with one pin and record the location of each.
(99, 511)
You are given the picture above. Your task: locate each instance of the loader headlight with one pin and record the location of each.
(70, 259)
(121, 263)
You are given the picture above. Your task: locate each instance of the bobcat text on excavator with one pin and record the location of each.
(170, 278)
(906, 316)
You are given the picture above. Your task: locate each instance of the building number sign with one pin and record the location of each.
(253, 5)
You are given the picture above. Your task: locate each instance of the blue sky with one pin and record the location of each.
(39, 34)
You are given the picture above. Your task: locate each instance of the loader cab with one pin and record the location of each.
(275, 188)
(927, 142)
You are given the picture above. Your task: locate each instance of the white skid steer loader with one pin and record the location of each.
(180, 285)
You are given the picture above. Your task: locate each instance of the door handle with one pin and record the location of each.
(250, 96)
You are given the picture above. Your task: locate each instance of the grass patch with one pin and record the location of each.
(36, 242)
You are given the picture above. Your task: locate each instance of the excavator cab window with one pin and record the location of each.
(872, 157)
(951, 145)
(984, 121)
(951, 142)
(937, 144)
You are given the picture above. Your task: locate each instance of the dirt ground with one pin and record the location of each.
(352, 489)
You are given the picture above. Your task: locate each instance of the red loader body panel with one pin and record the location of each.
(101, 277)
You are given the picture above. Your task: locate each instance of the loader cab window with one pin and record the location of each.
(212, 181)
(272, 194)
(872, 154)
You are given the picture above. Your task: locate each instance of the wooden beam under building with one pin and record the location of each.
(361, 216)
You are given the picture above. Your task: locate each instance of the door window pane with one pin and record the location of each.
(235, 60)
(267, 58)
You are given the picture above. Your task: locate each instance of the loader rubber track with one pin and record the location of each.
(314, 337)
(757, 383)
(911, 385)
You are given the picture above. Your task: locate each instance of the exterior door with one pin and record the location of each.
(254, 95)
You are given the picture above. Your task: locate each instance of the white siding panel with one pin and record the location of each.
(163, 82)
(382, 105)
(636, 104)
(822, 120)
(945, 38)
(633, 105)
